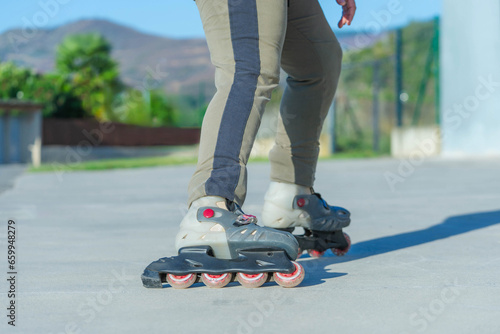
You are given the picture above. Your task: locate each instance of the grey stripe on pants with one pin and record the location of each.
(245, 40)
(249, 40)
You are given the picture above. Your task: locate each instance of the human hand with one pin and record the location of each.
(348, 11)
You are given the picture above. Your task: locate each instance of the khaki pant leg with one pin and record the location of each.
(312, 59)
(245, 38)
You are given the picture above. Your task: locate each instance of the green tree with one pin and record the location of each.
(162, 108)
(54, 92)
(146, 108)
(85, 60)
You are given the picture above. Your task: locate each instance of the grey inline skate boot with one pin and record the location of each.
(216, 240)
(288, 206)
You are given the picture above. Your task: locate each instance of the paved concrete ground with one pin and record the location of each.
(9, 174)
(70, 154)
(425, 258)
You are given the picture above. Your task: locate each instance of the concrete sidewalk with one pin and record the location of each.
(9, 174)
(425, 254)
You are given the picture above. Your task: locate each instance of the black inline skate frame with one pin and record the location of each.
(316, 243)
(252, 268)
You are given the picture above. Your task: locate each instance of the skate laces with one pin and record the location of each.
(245, 219)
(242, 219)
(322, 201)
(234, 207)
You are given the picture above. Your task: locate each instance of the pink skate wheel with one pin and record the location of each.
(216, 281)
(208, 213)
(290, 280)
(251, 280)
(343, 251)
(314, 253)
(181, 281)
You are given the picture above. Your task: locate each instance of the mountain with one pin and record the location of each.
(175, 65)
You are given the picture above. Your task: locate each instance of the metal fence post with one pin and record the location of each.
(376, 113)
(399, 77)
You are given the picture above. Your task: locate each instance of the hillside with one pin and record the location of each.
(179, 65)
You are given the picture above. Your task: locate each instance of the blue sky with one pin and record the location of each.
(179, 18)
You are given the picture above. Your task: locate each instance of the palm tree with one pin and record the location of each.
(86, 61)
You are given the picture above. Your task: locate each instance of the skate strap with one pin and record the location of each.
(224, 217)
(322, 200)
(304, 200)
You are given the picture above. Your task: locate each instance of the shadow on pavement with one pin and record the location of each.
(317, 271)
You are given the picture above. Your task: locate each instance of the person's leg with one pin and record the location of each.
(245, 38)
(312, 59)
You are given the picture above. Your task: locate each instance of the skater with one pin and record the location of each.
(249, 40)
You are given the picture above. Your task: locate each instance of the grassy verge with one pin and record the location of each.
(354, 155)
(116, 164)
(164, 161)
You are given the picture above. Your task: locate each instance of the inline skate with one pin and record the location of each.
(218, 243)
(288, 206)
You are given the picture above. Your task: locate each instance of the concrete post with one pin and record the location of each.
(3, 141)
(6, 135)
(470, 77)
(20, 132)
(31, 141)
(14, 139)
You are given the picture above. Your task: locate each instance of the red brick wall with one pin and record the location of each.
(74, 131)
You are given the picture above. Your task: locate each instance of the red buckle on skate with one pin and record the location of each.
(208, 213)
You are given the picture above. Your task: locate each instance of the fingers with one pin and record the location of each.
(348, 11)
(351, 10)
(343, 21)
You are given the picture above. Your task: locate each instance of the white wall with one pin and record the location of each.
(470, 77)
